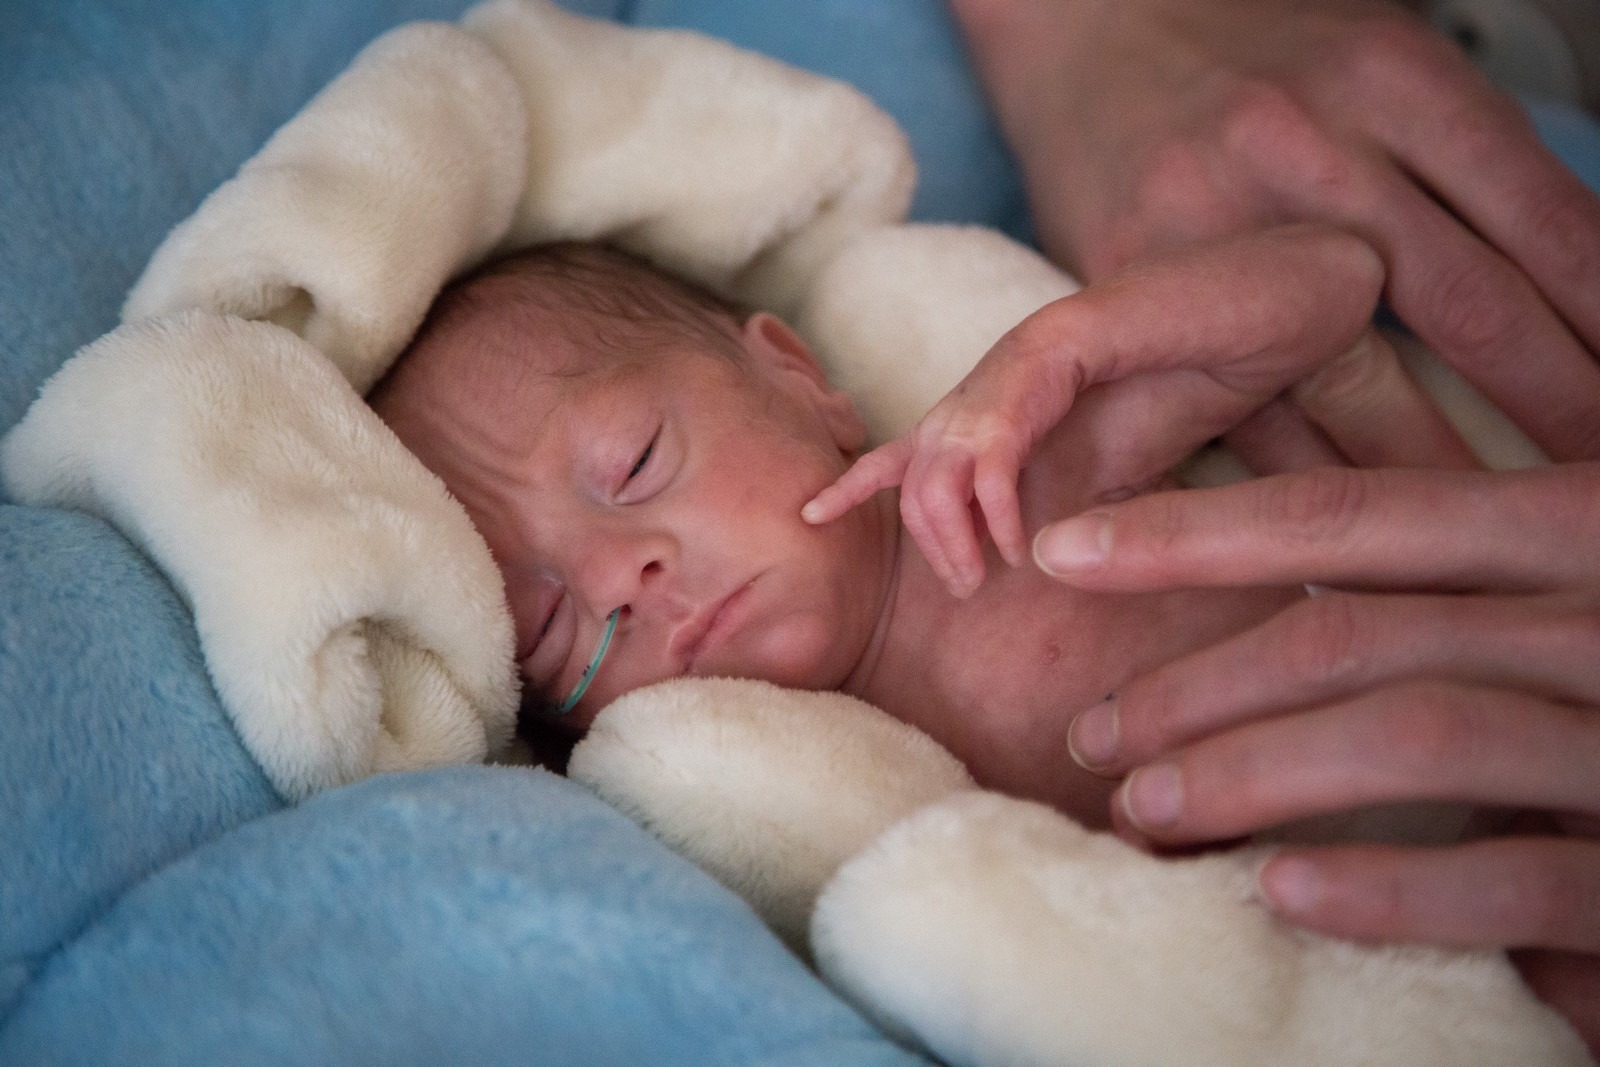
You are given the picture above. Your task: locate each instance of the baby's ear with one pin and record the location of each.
(770, 342)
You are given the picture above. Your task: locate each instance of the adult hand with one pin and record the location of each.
(1153, 363)
(1144, 124)
(1479, 684)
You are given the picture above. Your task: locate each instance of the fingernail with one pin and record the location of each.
(1092, 737)
(1152, 797)
(1292, 886)
(1073, 545)
(812, 512)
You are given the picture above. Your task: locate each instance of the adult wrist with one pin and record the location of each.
(991, 28)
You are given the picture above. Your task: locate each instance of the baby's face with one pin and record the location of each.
(665, 485)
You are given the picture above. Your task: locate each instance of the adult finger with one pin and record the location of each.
(1332, 647)
(1278, 438)
(1342, 527)
(1376, 414)
(1517, 892)
(1257, 311)
(1361, 407)
(1475, 307)
(1482, 316)
(1477, 151)
(1428, 741)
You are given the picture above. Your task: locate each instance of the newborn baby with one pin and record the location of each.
(637, 454)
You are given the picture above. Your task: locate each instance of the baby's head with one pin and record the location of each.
(628, 444)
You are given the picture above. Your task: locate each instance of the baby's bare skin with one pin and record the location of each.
(998, 676)
(667, 486)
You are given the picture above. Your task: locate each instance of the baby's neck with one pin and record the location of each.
(916, 613)
(945, 666)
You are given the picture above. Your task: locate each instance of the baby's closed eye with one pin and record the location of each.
(647, 473)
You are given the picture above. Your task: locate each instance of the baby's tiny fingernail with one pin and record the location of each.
(1292, 886)
(1152, 797)
(1092, 737)
(1073, 545)
(812, 512)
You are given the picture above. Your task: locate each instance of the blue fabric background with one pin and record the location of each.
(469, 916)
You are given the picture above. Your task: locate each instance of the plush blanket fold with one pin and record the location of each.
(351, 617)
(721, 165)
(997, 931)
(343, 228)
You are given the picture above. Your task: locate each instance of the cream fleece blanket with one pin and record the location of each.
(354, 622)
(999, 932)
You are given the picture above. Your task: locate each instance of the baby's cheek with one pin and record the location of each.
(528, 601)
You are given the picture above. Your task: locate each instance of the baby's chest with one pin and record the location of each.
(1035, 647)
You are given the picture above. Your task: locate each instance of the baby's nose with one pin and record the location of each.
(629, 568)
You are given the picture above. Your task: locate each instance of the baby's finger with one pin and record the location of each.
(938, 499)
(1334, 646)
(1342, 527)
(882, 468)
(1508, 892)
(995, 484)
(1420, 741)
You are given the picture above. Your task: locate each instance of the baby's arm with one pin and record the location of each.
(1206, 337)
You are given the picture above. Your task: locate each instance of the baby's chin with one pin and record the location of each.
(801, 653)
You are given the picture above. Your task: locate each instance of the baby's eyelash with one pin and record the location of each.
(644, 457)
(549, 619)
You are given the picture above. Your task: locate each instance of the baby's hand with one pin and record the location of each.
(1194, 344)
(962, 461)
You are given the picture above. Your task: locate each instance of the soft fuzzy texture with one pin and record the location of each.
(463, 916)
(471, 915)
(531, 125)
(117, 757)
(999, 932)
(727, 794)
(352, 619)
(343, 228)
(354, 623)
(723, 166)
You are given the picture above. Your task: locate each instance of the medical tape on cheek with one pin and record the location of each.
(594, 664)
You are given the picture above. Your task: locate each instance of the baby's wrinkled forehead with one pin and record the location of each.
(568, 310)
(507, 346)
